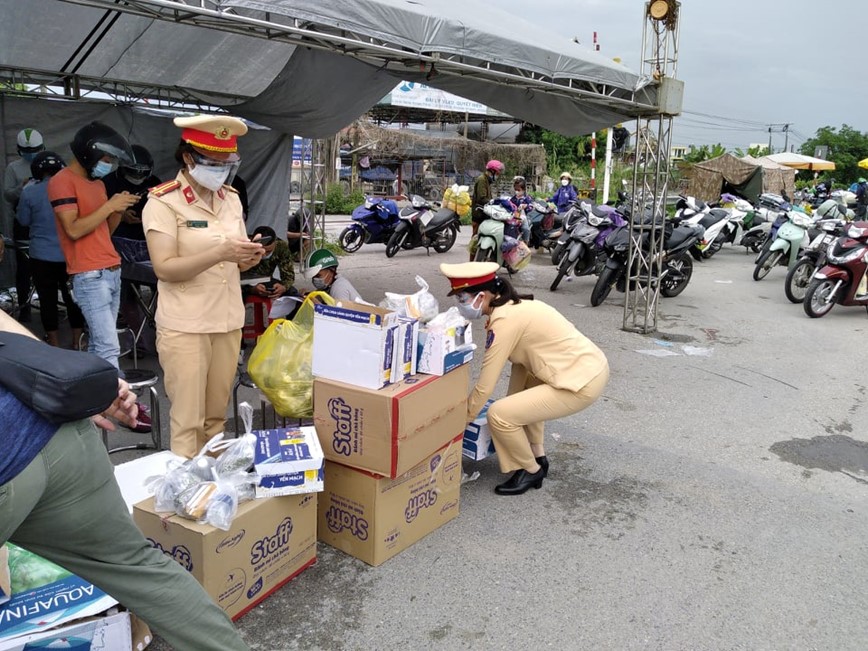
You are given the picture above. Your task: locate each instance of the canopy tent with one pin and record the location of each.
(863, 163)
(726, 173)
(247, 56)
(800, 161)
(266, 154)
(777, 178)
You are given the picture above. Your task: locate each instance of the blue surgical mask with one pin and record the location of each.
(101, 169)
(319, 283)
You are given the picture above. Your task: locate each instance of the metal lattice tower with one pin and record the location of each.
(651, 168)
(312, 191)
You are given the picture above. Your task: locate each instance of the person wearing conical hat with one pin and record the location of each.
(556, 370)
(199, 246)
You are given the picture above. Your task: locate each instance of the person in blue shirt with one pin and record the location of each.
(523, 205)
(566, 193)
(47, 264)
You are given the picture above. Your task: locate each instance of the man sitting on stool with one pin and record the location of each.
(277, 256)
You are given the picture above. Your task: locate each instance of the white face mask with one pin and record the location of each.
(564, 182)
(210, 176)
(319, 283)
(467, 308)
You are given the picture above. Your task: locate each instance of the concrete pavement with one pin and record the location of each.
(706, 502)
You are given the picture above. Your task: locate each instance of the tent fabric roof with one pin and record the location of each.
(244, 55)
(708, 178)
(765, 163)
(800, 161)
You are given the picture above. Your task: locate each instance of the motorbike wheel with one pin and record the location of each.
(601, 290)
(395, 242)
(818, 300)
(751, 244)
(563, 270)
(680, 272)
(484, 255)
(558, 253)
(765, 263)
(798, 279)
(764, 246)
(445, 240)
(351, 239)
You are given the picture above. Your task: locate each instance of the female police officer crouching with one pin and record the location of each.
(556, 370)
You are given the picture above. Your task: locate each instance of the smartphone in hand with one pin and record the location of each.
(264, 240)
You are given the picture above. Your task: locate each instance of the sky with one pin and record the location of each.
(745, 64)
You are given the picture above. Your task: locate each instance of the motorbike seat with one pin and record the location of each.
(716, 215)
(440, 217)
(602, 211)
(679, 235)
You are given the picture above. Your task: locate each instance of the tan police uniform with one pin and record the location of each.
(199, 320)
(556, 371)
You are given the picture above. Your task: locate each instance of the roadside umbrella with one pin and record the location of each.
(801, 162)
(863, 163)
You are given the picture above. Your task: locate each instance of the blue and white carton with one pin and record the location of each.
(477, 437)
(289, 461)
(440, 351)
(354, 344)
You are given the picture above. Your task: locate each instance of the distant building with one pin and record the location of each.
(677, 153)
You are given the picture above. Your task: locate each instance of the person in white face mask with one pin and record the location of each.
(566, 193)
(199, 247)
(556, 370)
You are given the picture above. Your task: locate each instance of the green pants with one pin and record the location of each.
(66, 507)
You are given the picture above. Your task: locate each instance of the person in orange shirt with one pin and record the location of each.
(86, 218)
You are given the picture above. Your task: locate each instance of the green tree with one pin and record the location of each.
(563, 153)
(757, 151)
(704, 152)
(847, 147)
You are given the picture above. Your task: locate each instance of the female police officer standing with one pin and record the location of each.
(556, 370)
(199, 246)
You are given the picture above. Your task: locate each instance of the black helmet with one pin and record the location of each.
(141, 167)
(46, 164)
(96, 140)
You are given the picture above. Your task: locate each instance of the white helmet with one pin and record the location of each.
(30, 140)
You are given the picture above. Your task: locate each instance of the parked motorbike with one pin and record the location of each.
(420, 225)
(582, 249)
(499, 231)
(839, 280)
(546, 225)
(791, 238)
(675, 258)
(374, 223)
(831, 224)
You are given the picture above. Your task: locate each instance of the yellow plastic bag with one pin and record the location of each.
(280, 365)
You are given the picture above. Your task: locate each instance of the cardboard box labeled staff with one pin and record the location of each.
(373, 517)
(477, 437)
(271, 541)
(354, 343)
(391, 430)
(441, 351)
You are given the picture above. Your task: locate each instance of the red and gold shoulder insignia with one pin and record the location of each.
(164, 188)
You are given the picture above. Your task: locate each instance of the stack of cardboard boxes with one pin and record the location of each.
(392, 439)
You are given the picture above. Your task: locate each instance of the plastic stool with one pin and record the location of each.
(261, 308)
(141, 379)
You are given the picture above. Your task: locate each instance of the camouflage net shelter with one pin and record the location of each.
(727, 173)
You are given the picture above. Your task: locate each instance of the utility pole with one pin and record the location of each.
(781, 127)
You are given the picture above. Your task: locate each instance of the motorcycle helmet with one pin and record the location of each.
(141, 167)
(495, 166)
(319, 260)
(46, 164)
(97, 140)
(29, 143)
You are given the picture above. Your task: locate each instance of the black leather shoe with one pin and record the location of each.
(520, 482)
(544, 464)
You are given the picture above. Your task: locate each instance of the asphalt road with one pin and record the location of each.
(712, 500)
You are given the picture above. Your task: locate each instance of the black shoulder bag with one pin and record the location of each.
(60, 385)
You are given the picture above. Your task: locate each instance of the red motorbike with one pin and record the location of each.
(839, 280)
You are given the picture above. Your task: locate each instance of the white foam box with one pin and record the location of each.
(441, 352)
(354, 344)
(477, 437)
